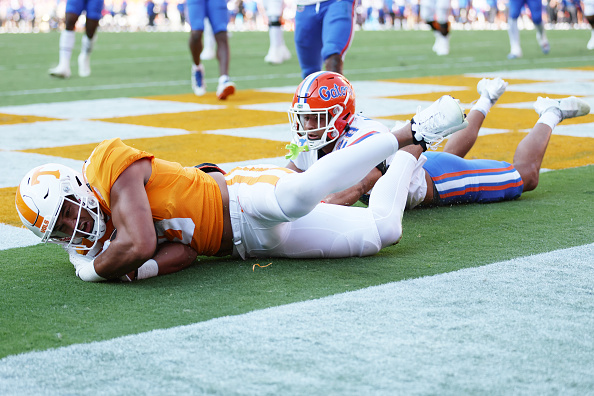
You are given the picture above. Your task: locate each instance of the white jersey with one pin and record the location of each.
(360, 129)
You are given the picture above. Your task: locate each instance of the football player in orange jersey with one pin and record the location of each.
(166, 214)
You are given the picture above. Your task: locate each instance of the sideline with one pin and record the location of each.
(516, 327)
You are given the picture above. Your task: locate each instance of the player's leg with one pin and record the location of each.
(337, 33)
(535, 7)
(462, 141)
(589, 14)
(427, 14)
(442, 9)
(389, 195)
(308, 40)
(346, 231)
(94, 9)
(277, 51)
(515, 7)
(299, 193)
(67, 38)
(218, 15)
(196, 15)
(531, 150)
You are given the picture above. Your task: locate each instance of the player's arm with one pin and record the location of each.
(136, 239)
(169, 258)
(351, 195)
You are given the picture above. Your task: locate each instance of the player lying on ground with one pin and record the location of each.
(439, 178)
(166, 214)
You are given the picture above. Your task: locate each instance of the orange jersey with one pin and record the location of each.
(185, 202)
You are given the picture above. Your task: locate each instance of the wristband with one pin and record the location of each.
(147, 270)
(87, 272)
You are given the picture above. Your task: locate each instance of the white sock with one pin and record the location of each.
(273, 32)
(514, 35)
(389, 195)
(550, 118)
(87, 44)
(67, 38)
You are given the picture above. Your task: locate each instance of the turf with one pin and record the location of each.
(145, 64)
(44, 305)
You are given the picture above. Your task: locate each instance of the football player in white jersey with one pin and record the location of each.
(74, 8)
(278, 51)
(322, 123)
(435, 14)
(589, 14)
(515, 10)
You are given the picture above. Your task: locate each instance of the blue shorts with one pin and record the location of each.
(535, 6)
(215, 10)
(94, 8)
(321, 30)
(458, 180)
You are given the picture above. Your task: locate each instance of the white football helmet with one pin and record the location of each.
(39, 199)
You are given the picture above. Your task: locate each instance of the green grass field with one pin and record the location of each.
(45, 306)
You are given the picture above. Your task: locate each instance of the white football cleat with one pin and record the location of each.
(442, 118)
(515, 54)
(225, 88)
(567, 107)
(198, 82)
(60, 71)
(277, 55)
(491, 88)
(442, 47)
(84, 65)
(590, 45)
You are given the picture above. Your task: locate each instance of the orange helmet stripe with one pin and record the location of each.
(29, 214)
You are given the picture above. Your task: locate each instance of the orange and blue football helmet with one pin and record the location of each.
(329, 96)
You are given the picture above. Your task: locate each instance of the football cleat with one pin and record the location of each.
(491, 88)
(543, 42)
(198, 83)
(590, 44)
(567, 107)
(440, 119)
(84, 65)
(514, 55)
(442, 45)
(225, 88)
(60, 71)
(277, 55)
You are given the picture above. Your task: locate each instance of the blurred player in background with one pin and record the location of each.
(74, 8)
(278, 51)
(515, 9)
(324, 31)
(217, 14)
(440, 178)
(435, 13)
(589, 14)
(166, 215)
